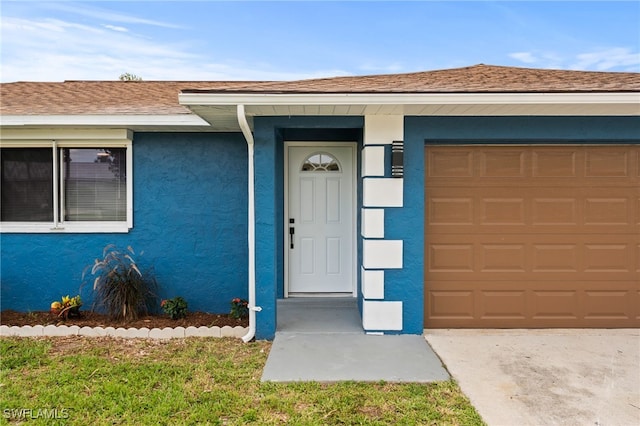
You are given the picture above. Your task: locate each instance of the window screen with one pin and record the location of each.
(27, 184)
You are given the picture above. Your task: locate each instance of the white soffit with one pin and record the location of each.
(610, 103)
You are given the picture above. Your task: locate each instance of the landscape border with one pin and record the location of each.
(143, 332)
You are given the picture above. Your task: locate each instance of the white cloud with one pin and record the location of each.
(107, 15)
(382, 68)
(56, 50)
(526, 57)
(618, 58)
(11, 26)
(116, 28)
(603, 60)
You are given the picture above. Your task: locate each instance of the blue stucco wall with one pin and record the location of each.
(407, 224)
(190, 210)
(270, 134)
(526, 129)
(190, 219)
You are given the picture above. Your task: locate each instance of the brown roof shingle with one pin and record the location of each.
(474, 79)
(99, 97)
(161, 97)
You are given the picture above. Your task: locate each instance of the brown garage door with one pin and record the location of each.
(532, 236)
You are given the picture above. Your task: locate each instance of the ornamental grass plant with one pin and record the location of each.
(120, 288)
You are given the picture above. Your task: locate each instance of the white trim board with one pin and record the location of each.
(285, 217)
(405, 98)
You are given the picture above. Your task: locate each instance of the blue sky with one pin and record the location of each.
(215, 40)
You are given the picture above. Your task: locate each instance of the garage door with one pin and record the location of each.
(532, 236)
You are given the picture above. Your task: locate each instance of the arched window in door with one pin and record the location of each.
(320, 162)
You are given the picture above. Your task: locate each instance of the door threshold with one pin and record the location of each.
(298, 295)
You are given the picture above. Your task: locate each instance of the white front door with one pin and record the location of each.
(320, 221)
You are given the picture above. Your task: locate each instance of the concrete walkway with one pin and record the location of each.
(546, 377)
(321, 340)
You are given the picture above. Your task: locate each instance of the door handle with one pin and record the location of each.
(292, 231)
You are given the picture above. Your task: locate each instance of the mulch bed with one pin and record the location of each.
(93, 319)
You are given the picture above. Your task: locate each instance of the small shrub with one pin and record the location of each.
(67, 307)
(176, 308)
(239, 308)
(119, 286)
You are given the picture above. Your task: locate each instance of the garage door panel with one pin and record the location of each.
(451, 258)
(606, 211)
(451, 210)
(607, 304)
(532, 237)
(502, 304)
(509, 256)
(554, 210)
(457, 304)
(506, 209)
(608, 162)
(555, 229)
(610, 206)
(500, 209)
(607, 257)
(502, 258)
(555, 163)
(551, 257)
(555, 304)
(503, 163)
(565, 165)
(532, 304)
(450, 163)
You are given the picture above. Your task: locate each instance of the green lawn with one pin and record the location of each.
(196, 381)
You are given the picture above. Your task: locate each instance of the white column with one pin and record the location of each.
(379, 192)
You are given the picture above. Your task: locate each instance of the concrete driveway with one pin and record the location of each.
(546, 377)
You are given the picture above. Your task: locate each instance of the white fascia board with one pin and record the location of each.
(70, 134)
(406, 98)
(126, 120)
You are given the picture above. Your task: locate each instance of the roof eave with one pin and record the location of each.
(221, 99)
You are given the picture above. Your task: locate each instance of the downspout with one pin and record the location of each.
(251, 231)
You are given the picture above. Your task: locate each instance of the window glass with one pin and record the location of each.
(27, 184)
(320, 163)
(95, 184)
(92, 184)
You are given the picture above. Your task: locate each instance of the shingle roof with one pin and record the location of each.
(161, 97)
(99, 97)
(475, 79)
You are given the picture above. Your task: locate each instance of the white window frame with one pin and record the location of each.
(111, 138)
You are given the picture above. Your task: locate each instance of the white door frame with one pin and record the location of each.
(285, 218)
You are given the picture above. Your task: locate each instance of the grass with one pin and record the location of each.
(102, 381)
